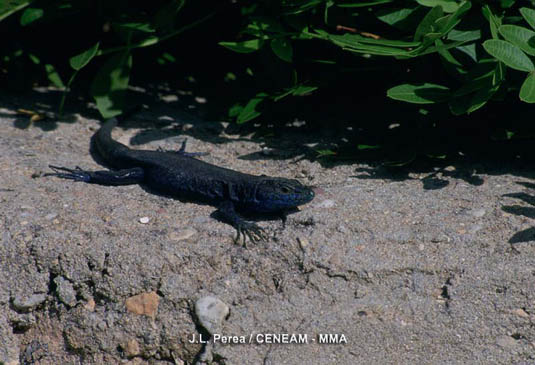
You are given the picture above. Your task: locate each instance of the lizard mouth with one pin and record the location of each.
(308, 196)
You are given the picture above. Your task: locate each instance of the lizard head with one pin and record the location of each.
(276, 194)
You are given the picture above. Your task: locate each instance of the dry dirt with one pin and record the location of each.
(427, 268)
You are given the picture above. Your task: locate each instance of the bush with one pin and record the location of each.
(446, 56)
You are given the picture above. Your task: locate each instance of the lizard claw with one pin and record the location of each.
(76, 174)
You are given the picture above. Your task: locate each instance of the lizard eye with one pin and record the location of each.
(285, 190)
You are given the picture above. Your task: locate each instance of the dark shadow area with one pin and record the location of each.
(529, 212)
(441, 155)
(520, 210)
(435, 180)
(523, 236)
(194, 91)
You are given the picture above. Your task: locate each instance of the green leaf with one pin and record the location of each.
(449, 22)
(464, 35)
(34, 58)
(419, 94)
(449, 6)
(360, 4)
(235, 110)
(451, 65)
(519, 36)
(480, 98)
(470, 50)
(494, 21)
(250, 111)
(368, 147)
(527, 91)
(263, 26)
(149, 41)
(394, 16)
(509, 54)
(423, 50)
(53, 76)
(357, 39)
(30, 15)
(529, 16)
(297, 90)
(282, 48)
(426, 25)
(429, 39)
(360, 44)
(11, 7)
(249, 46)
(136, 26)
(325, 153)
(110, 85)
(471, 86)
(484, 81)
(301, 90)
(81, 60)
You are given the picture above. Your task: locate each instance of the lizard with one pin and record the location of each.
(180, 174)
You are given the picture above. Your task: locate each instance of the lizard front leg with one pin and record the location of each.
(244, 228)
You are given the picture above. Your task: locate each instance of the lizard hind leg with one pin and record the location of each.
(118, 177)
(182, 150)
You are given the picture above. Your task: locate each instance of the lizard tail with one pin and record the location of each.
(111, 150)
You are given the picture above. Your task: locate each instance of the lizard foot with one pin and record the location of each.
(249, 230)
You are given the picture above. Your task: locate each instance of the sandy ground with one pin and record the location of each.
(427, 268)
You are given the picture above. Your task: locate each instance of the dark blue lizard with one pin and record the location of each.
(177, 173)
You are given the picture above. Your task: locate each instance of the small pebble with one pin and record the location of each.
(506, 341)
(131, 348)
(28, 303)
(303, 242)
(521, 313)
(182, 235)
(327, 203)
(169, 98)
(478, 213)
(65, 291)
(144, 220)
(51, 216)
(268, 151)
(201, 219)
(90, 305)
(143, 304)
(211, 312)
